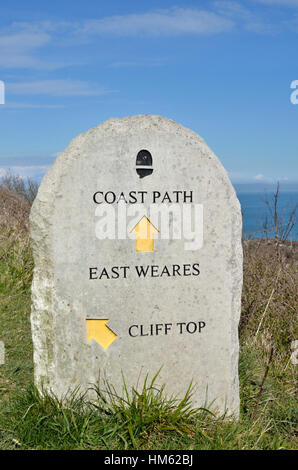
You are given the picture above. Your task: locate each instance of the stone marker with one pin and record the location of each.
(136, 233)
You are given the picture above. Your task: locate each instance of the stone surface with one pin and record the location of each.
(194, 310)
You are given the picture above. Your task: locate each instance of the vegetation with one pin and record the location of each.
(146, 420)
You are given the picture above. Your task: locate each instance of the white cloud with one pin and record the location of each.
(32, 171)
(16, 49)
(62, 87)
(138, 63)
(247, 19)
(232, 9)
(260, 27)
(259, 177)
(247, 178)
(283, 3)
(14, 105)
(172, 22)
(23, 44)
(22, 40)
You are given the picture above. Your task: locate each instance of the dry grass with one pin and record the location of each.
(269, 297)
(14, 212)
(26, 189)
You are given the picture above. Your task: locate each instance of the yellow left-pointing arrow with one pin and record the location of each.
(100, 332)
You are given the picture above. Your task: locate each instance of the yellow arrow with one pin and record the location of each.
(144, 231)
(100, 332)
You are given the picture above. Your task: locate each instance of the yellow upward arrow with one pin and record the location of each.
(144, 231)
(100, 332)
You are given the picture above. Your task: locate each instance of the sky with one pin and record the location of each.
(221, 68)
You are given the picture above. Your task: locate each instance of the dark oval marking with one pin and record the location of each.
(144, 158)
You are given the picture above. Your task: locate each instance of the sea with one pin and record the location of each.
(258, 213)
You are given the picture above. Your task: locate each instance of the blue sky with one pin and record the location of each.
(221, 68)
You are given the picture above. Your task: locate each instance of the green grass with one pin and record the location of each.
(16, 266)
(147, 420)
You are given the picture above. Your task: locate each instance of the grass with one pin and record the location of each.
(148, 420)
(16, 266)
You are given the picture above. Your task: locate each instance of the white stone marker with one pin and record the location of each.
(136, 233)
